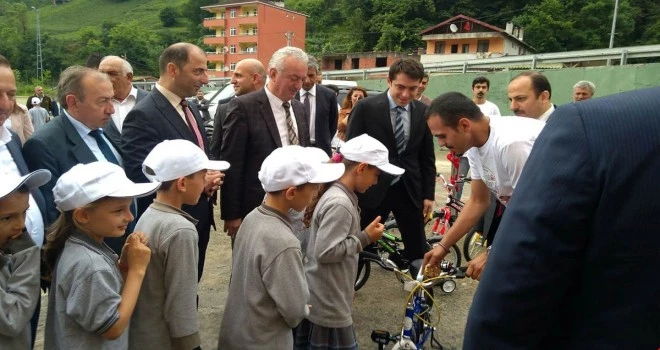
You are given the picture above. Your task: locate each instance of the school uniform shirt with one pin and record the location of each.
(335, 241)
(84, 297)
(19, 291)
(268, 295)
(499, 162)
(167, 305)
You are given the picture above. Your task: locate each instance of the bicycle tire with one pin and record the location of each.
(454, 254)
(364, 270)
(473, 244)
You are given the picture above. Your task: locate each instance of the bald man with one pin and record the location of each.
(249, 75)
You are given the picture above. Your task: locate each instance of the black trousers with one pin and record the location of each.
(408, 215)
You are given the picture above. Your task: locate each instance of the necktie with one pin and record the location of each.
(192, 123)
(308, 107)
(399, 135)
(293, 138)
(103, 146)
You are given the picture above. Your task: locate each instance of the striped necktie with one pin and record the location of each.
(399, 135)
(293, 138)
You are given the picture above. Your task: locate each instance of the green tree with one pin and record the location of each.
(168, 16)
(137, 44)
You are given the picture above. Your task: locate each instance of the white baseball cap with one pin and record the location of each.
(292, 166)
(172, 159)
(36, 101)
(86, 183)
(366, 149)
(10, 182)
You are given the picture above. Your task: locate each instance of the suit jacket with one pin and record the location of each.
(110, 129)
(218, 121)
(325, 125)
(250, 134)
(56, 146)
(150, 122)
(202, 106)
(14, 147)
(372, 116)
(575, 262)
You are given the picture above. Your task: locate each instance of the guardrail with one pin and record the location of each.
(621, 53)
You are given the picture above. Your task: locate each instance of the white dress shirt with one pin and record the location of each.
(280, 117)
(174, 100)
(546, 115)
(123, 107)
(311, 94)
(83, 131)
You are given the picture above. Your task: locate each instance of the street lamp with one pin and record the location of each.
(40, 63)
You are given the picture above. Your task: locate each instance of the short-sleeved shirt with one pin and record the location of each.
(84, 297)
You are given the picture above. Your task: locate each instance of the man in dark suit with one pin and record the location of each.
(321, 105)
(397, 119)
(125, 95)
(165, 115)
(575, 265)
(249, 76)
(257, 123)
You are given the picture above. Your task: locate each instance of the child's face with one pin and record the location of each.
(107, 218)
(194, 186)
(303, 196)
(367, 177)
(12, 216)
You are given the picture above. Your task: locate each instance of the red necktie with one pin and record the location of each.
(192, 123)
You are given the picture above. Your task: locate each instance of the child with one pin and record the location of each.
(268, 293)
(19, 260)
(166, 316)
(334, 243)
(89, 303)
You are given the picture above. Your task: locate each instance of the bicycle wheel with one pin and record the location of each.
(364, 269)
(474, 244)
(454, 255)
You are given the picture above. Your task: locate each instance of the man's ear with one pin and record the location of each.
(129, 76)
(70, 100)
(545, 95)
(464, 124)
(171, 69)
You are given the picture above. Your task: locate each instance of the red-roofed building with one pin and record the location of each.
(463, 38)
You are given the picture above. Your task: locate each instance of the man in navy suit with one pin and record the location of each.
(125, 97)
(575, 265)
(165, 115)
(321, 107)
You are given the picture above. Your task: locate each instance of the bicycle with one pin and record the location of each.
(417, 328)
(475, 243)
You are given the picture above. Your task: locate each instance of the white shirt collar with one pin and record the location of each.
(174, 99)
(547, 113)
(311, 91)
(81, 128)
(273, 99)
(5, 135)
(393, 104)
(132, 93)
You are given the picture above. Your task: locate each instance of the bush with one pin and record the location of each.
(168, 16)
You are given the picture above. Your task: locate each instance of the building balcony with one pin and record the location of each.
(214, 40)
(237, 21)
(247, 38)
(249, 51)
(215, 56)
(214, 22)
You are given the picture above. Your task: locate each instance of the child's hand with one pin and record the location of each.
(138, 253)
(123, 258)
(141, 236)
(375, 229)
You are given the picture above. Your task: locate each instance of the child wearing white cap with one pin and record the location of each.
(166, 315)
(92, 293)
(38, 114)
(334, 242)
(19, 260)
(268, 294)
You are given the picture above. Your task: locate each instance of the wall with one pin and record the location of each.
(273, 24)
(608, 80)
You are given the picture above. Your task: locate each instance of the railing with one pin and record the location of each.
(621, 53)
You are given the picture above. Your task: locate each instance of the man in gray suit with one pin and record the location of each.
(257, 123)
(125, 96)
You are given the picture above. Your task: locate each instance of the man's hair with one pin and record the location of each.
(410, 67)
(539, 82)
(4, 62)
(125, 65)
(586, 84)
(452, 107)
(277, 60)
(176, 53)
(71, 82)
(481, 80)
(313, 63)
(426, 75)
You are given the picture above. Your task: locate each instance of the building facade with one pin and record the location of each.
(250, 29)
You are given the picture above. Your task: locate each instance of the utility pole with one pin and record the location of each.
(40, 63)
(289, 37)
(616, 9)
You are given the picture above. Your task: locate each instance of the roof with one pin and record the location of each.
(226, 3)
(481, 23)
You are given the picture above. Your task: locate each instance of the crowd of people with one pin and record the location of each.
(115, 194)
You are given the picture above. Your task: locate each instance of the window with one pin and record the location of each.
(232, 13)
(232, 48)
(381, 62)
(355, 63)
(254, 31)
(232, 31)
(339, 64)
(254, 12)
(440, 47)
(454, 48)
(232, 66)
(482, 46)
(466, 48)
(222, 15)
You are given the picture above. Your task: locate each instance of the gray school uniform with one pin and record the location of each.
(19, 291)
(38, 116)
(84, 297)
(267, 293)
(335, 240)
(167, 305)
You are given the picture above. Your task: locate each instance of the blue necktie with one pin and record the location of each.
(103, 146)
(399, 135)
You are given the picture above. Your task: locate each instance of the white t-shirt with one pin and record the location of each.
(489, 109)
(499, 162)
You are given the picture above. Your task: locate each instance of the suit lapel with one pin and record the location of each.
(172, 116)
(15, 151)
(269, 117)
(301, 123)
(80, 149)
(384, 105)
